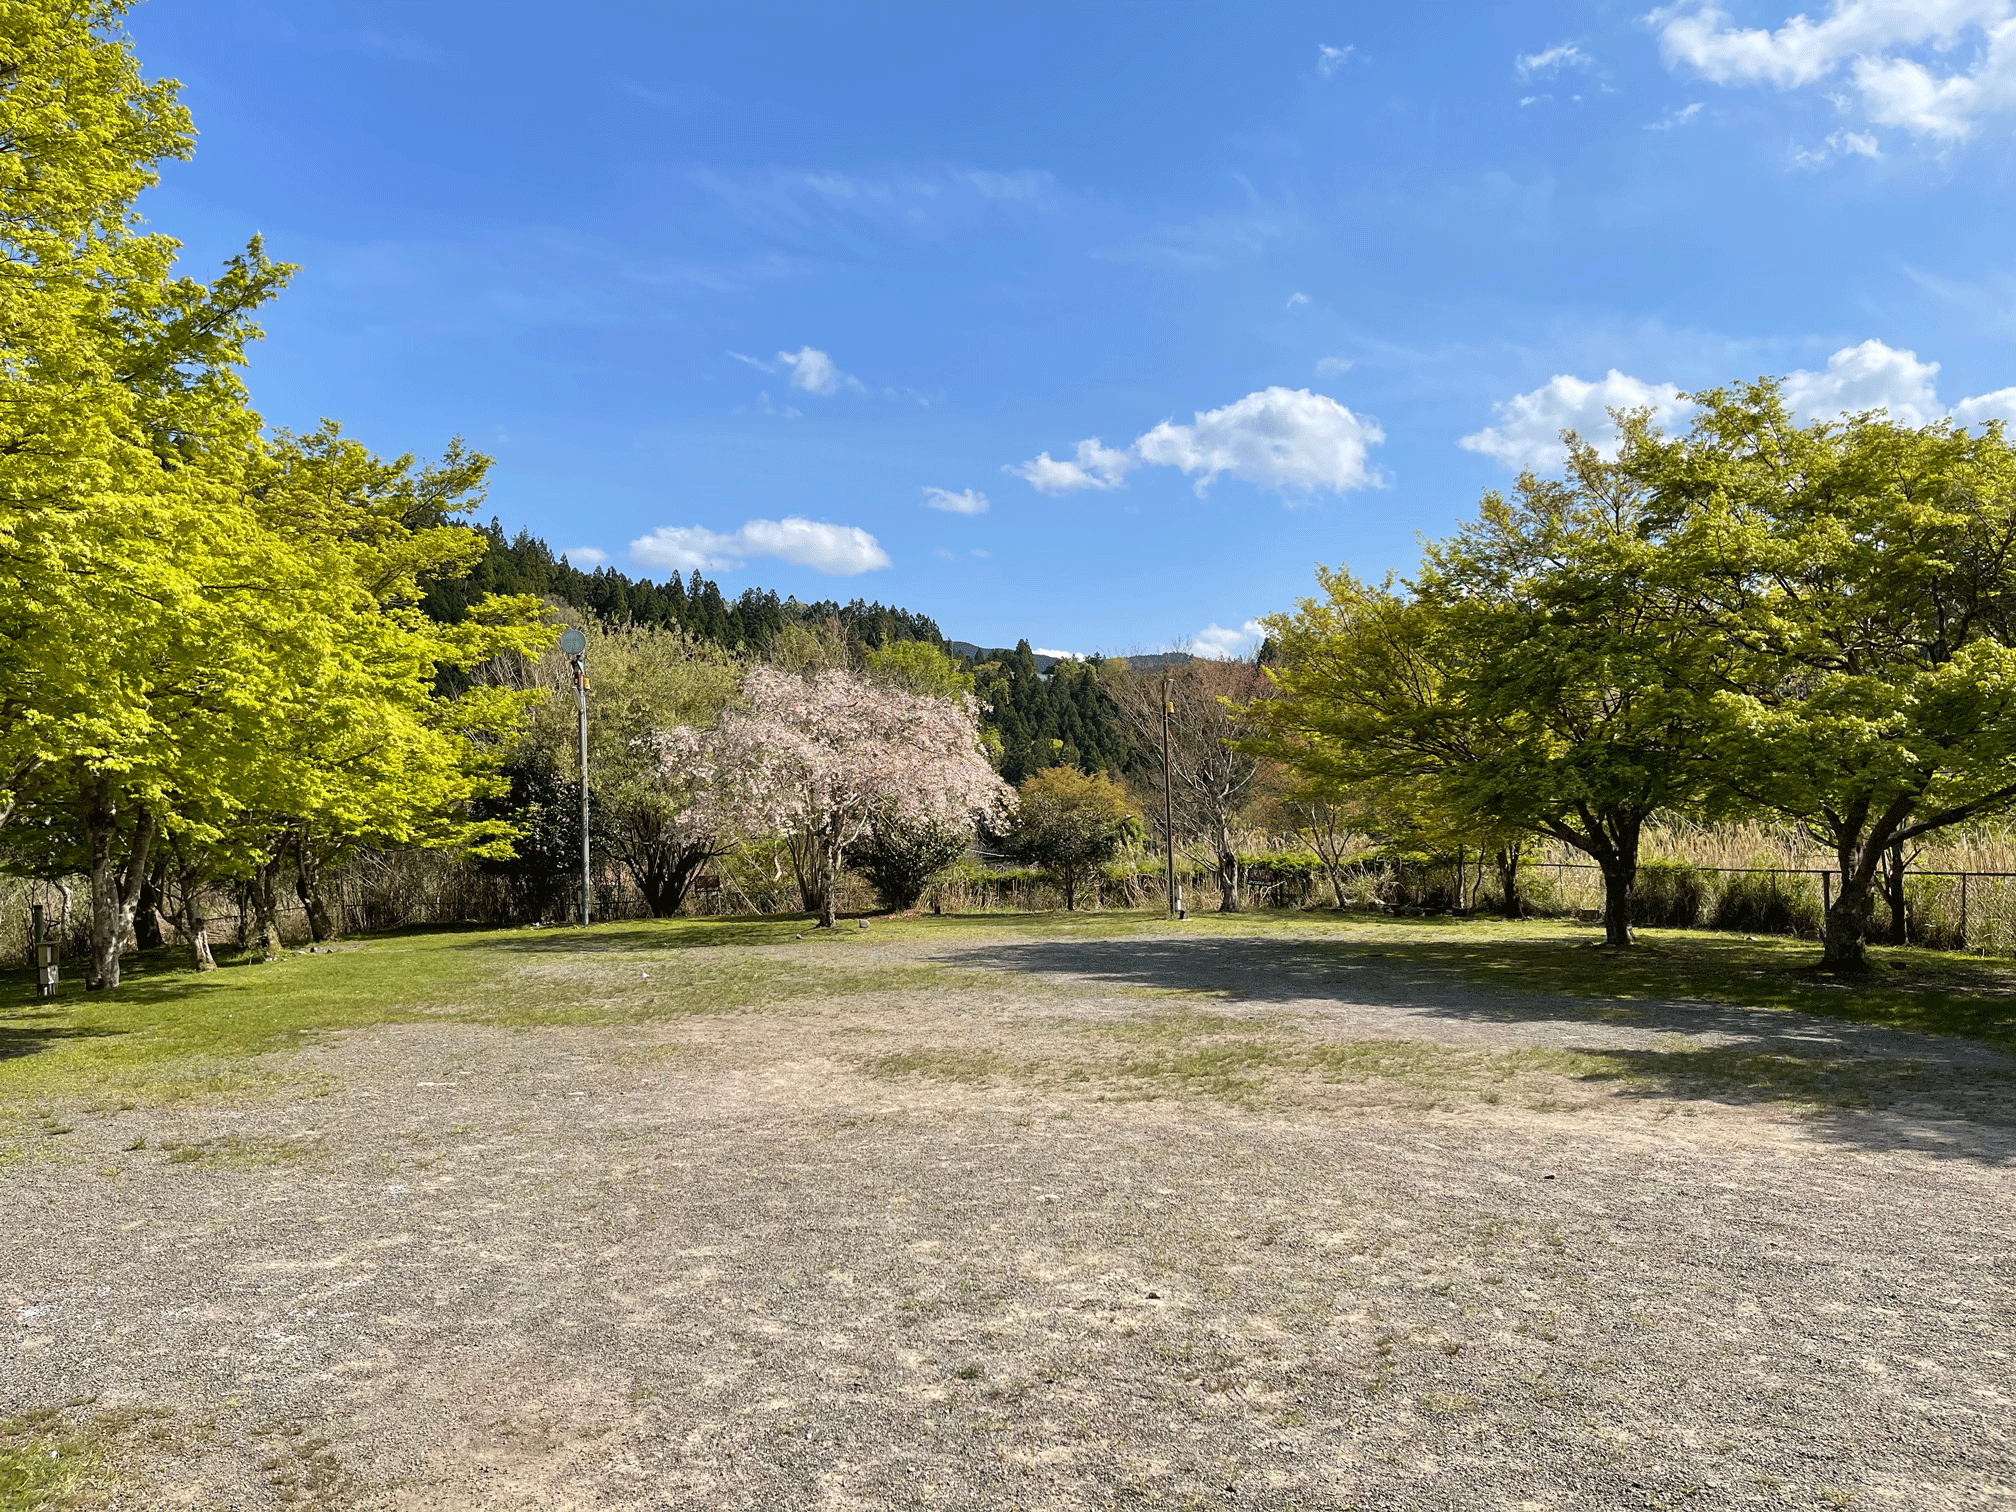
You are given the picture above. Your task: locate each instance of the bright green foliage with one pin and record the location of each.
(1546, 671)
(1069, 822)
(918, 667)
(1866, 573)
(206, 638)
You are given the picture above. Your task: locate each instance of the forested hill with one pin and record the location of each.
(1048, 712)
(524, 564)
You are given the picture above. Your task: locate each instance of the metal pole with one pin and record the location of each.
(581, 708)
(1169, 801)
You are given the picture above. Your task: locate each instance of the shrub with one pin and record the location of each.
(1768, 903)
(901, 856)
(1669, 895)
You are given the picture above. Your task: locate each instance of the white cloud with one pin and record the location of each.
(1528, 432)
(1681, 117)
(970, 502)
(1331, 367)
(837, 550)
(586, 556)
(813, 371)
(982, 552)
(1550, 61)
(2000, 405)
(1096, 466)
(1866, 377)
(1870, 376)
(1329, 59)
(1060, 655)
(1297, 298)
(1219, 644)
(1289, 440)
(1893, 53)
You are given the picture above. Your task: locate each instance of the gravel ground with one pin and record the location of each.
(1152, 1221)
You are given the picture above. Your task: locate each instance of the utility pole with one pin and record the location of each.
(575, 644)
(1169, 805)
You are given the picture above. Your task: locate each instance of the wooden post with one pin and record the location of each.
(1963, 910)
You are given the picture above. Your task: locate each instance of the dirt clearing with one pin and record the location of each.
(1155, 1221)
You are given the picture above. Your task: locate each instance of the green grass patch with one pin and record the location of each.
(171, 1034)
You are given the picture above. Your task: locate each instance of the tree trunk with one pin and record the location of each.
(196, 928)
(265, 910)
(829, 881)
(150, 927)
(1893, 887)
(322, 924)
(1069, 876)
(808, 867)
(1336, 875)
(115, 890)
(1508, 882)
(1844, 937)
(1620, 882)
(1229, 900)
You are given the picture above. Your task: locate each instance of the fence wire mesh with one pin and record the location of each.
(1943, 910)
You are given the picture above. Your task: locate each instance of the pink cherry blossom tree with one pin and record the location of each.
(816, 758)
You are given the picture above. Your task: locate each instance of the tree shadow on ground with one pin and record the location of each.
(1881, 1085)
(22, 1035)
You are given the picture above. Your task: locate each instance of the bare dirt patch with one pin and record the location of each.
(1149, 1221)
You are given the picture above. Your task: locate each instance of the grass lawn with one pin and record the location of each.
(170, 1032)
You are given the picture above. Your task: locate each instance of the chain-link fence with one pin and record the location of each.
(1943, 910)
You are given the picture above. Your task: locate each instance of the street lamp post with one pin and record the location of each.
(575, 644)
(1169, 805)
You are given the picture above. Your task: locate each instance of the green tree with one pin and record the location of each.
(1865, 573)
(1548, 669)
(1070, 822)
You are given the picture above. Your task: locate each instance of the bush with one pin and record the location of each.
(900, 857)
(1768, 903)
(1669, 895)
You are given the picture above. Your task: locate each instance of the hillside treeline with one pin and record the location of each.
(524, 564)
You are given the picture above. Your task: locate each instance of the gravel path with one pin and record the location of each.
(1102, 1223)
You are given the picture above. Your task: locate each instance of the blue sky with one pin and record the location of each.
(1095, 324)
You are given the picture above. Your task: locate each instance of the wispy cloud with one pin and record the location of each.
(1329, 59)
(585, 556)
(1673, 120)
(967, 502)
(1838, 144)
(1549, 61)
(1297, 298)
